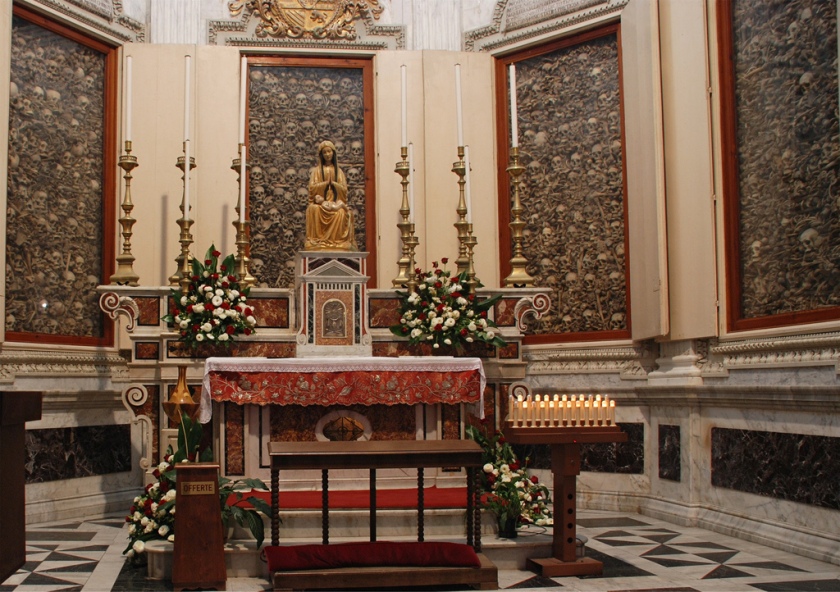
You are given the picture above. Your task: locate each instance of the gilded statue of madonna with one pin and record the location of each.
(329, 221)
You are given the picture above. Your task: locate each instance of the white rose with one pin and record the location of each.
(482, 322)
(490, 335)
(450, 322)
(171, 538)
(198, 308)
(163, 530)
(470, 313)
(471, 327)
(413, 298)
(447, 341)
(207, 327)
(437, 345)
(144, 521)
(139, 547)
(234, 293)
(251, 321)
(205, 274)
(137, 516)
(132, 529)
(505, 468)
(223, 337)
(421, 287)
(220, 292)
(461, 301)
(199, 337)
(469, 340)
(154, 506)
(130, 553)
(211, 337)
(183, 300)
(488, 468)
(183, 324)
(416, 332)
(170, 495)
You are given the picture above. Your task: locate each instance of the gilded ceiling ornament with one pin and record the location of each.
(316, 19)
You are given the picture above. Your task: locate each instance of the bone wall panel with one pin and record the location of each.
(572, 194)
(83, 451)
(54, 202)
(786, 89)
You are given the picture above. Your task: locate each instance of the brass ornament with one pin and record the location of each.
(308, 19)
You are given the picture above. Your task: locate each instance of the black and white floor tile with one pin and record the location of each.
(639, 553)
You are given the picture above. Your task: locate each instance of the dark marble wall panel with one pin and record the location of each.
(787, 149)
(67, 453)
(234, 439)
(621, 457)
(669, 452)
(292, 109)
(451, 422)
(55, 194)
(290, 423)
(146, 351)
(792, 467)
(570, 136)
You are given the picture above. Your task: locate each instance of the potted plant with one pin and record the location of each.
(512, 495)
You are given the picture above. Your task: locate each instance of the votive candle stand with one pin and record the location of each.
(573, 411)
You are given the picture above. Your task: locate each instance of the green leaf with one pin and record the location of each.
(256, 526)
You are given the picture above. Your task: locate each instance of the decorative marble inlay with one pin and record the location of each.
(54, 243)
(795, 467)
(289, 108)
(669, 452)
(383, 312)
(145, 350)
(293, 423)
(234, 439)
(68, 453)
(451, 421)
(333, 324)
(573, 192)
(504, 312)
(509, 352)
(786, 104)
(271, 312)
(251, 349)
(149, 307)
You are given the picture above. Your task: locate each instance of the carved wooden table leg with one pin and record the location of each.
(420, 506)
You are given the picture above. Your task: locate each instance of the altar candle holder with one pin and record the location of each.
(518, 277)
(466, 240)
(125, 274)
(184, 260)
(406, 276)
(242, 226)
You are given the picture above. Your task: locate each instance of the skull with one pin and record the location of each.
(300, 101)
(810, 239)
(354, 175)
(589, 318)
(356, 151)
(269, 126)
(291, 129)
(567, 323)
(347, 126)
(755, 249)
(258, 193)
(53, 96)
(335, 100)
(592, 124)
(339, 148)
(346, 85)
(307, 128)
(323, 126)
(52, 67)
(283, 100)
(616, 279)
(571, 280)
(257, 175)
(589, 281)
(326, 85)
(290, 176)
(319, 101)
(277, 147)
(354, 102)
(617, 321)
(303, 175)
(254, 127)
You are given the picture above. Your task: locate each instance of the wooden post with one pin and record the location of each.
(16, 408)
(198, 560)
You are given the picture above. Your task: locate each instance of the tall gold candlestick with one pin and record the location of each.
(518, 277)
(125, 275)
(242, 223)
(406, 276)
(184, 260)
(466, 241)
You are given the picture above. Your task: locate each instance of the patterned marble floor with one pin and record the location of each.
(639, 553)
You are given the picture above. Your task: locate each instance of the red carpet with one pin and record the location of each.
(448, 497)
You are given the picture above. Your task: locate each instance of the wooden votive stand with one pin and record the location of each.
(565, 465)
(198, 559)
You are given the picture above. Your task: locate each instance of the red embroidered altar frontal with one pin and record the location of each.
(342, 381)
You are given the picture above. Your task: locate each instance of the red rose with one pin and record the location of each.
(226, 305)
(209, 307)
(222, 268)
(471, 297)
(483, 314)
(230, 330)
(438, 328)
(248, 311)
(247, 331)
(225, 285)
(404, 329)
(418, 271)
(231, 278)
(438, 272)
(434, 264)
(216, 253)
(444, 260)
(189, 308)
(215, 276)
(208, 261)
(438, 284)
(421, 317)
(194, 278)
(514, 466)
(195, 328)
(535, 479)
(491, 478)
(464, 332)
(456, 295)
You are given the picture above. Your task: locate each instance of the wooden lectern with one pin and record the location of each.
(16, 408)
(565, 464)
(198, 560)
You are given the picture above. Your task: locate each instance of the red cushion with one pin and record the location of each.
(367, 554)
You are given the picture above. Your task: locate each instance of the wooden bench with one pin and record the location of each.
(373, 455)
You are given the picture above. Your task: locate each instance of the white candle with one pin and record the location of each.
(128, 99)
(243, 85)
(411, 183)
(552, 412)
(514, 126)
(242, 181)
(467, 186)
(458, 109)
(612, 413)
(587, 413)
(187, 101)
(543, 418)
(186, 179)
(404, 107)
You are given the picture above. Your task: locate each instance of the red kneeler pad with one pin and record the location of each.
(370, 554)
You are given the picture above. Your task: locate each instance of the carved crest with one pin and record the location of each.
(313, 19)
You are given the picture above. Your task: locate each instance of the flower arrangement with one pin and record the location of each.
(152, 513)
(441, 313)
(511, 494)
(214, 308)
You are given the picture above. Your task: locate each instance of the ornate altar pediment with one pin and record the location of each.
(308, 19)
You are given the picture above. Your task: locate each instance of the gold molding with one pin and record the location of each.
(308, 19)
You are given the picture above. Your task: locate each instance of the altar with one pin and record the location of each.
(352, 398)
